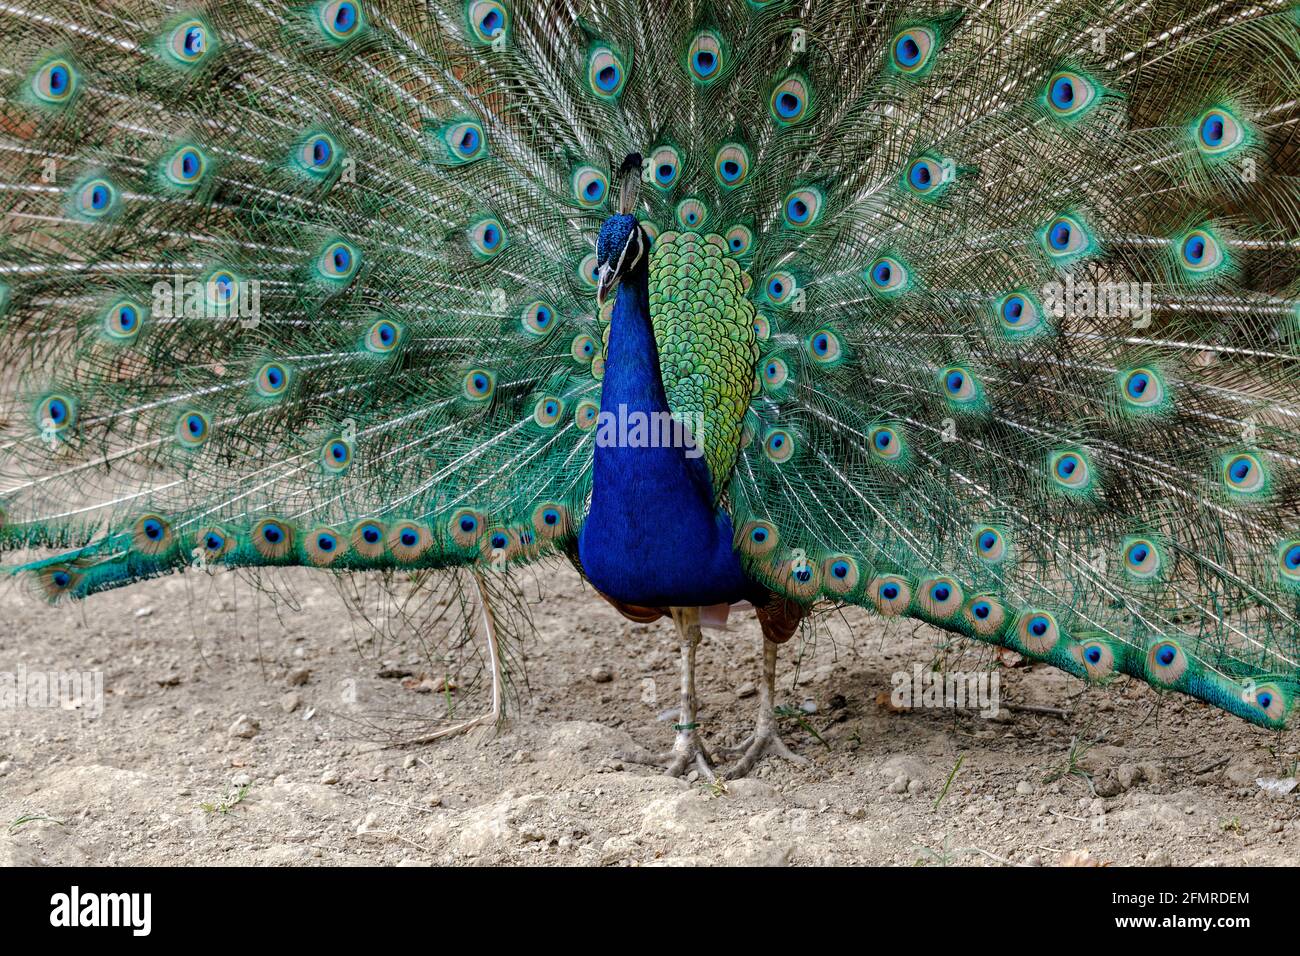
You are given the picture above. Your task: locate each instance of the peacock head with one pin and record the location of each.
(622, 244)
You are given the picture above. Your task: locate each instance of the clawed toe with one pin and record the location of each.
(689, 752)
(764, 742)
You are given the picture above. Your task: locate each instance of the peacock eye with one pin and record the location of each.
(383, 336)
(487, 237)
(1288, 557)
(1069, 94)
(55, 82)
(186, 165)
(1142, 388)
(731, 165)
(1070, 471)
(888, 276)
(55, 415)
(538, 318)
(891, 595)
(192, 429)
(1244, 473)
(927, 177)
(704, 57)
(336, 455)
(339, 261)
(582, 348)
(479, 385)
(487, 19)
(1218, 131)
(789, 102)
(1018, 314)
(912, 49)
(739, 240)
(886, 443)
(548, 411)
(271, 380)
(96, 198)
(663, 165)
(606, 73)
(123, 320)
(959, 385)
(317, 154)
(1141, 558)
(1166, 662)
(1065, 237)
(189, 42)
(1038, 632)
(775, 373)
(1200, 252)
(780, 286)
(585, 414)
(824, 346)
(590, 186)
(778, 445)
(989, 544)
(692, 213)
(341, 19)
(802, 208)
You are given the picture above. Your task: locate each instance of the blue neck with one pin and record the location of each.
(652, 536)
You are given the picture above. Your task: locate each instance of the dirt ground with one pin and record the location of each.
(232, 735)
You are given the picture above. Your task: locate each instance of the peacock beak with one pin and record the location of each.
(606, 279)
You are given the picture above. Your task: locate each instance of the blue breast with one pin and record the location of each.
(652, 536)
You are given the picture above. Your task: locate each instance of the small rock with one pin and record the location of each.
(1107, 785)
(602, 674)
(1024, 788)
(298, 676)
(1276, 786)
(241, 780)
(899, 785)
(409, 762)
(171, 679)
(746, 689)
(1159, 857)
(521, 756)
(434, 800)
(914, 787)
(380, 772)
(144, 612)
(290, 702)
(407, 861)
(1033, 860)
(746, 788)
(244, 726)
(1129, 774)
(1078, 858)
(329, 777)
(5, 767)
(809, 706)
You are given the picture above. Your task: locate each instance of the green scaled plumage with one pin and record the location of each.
(1008, 341)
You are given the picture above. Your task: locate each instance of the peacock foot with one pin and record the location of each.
(688, 753)
(763, 742)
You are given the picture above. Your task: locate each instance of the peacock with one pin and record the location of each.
(984, 314)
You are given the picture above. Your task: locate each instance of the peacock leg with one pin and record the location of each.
(764, 741)
(688, 749)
